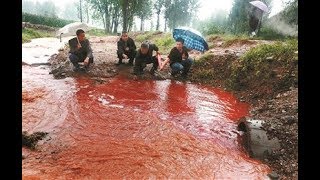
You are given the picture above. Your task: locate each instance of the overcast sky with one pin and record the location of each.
(207, 6)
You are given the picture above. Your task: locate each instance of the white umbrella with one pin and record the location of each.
(70, 29)
(260, 5)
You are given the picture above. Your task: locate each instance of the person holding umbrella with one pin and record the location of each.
(126, 49)
(144, 57)
(80, 51)
(179, 59)
(255, 17)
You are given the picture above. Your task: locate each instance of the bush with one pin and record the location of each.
(28, 34)
(270, 34)
(48, 21)
(96, 32)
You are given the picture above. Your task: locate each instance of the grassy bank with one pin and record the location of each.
(29, 33)
(164, 41)
(265, 69)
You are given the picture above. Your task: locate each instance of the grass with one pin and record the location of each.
(271, 64)
(164, 41)
(96, 32)
(29, 33)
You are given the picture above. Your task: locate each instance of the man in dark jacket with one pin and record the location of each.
(80, 50)
(255, 20)
(179, 59)
(126, 49)
(144, 57)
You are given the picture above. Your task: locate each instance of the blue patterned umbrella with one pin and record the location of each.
(192, 38)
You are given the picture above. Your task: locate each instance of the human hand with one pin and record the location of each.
(125, 56)
(127, 49)
(86, 61)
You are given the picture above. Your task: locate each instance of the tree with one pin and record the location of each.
(290, 12)
(144, 12)
(180, 12)
(47, 8)
(157, 7)
(125, 7)
(70, 11)
(80, 10)
(28, 7)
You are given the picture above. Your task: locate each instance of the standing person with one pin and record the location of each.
(254, 20)
(126, 49)
(144, 57)
(80, 50)
(179, 59)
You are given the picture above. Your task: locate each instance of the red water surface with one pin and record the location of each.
(125, 129)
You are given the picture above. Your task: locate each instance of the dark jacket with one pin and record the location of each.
(152, 47)
(176, 56)
(84, 51)
(122, 45)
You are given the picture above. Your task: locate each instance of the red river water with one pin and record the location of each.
(125, 129)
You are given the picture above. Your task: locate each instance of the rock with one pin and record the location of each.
(227, 51)
(273, 175)
(269, 58)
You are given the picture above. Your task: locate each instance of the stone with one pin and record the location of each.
(273, 175)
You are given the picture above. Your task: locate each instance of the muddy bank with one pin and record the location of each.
(269, 84)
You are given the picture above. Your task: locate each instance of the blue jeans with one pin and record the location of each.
(75, 59)
(184, 66)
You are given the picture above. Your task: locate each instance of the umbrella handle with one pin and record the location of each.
(78, 41)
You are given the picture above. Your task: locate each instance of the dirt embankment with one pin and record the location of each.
(269, 83)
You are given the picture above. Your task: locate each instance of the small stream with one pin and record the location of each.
(144, 129)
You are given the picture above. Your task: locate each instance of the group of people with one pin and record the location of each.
(178, 58)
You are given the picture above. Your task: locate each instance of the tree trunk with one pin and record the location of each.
(158, 20)
(80, 9)
(106, 23)
(87, 12)
(142, 24)
(125, 15)
(165, 25)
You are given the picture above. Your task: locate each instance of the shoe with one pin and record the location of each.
(76, 69)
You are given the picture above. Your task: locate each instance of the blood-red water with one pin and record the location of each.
(142, 129)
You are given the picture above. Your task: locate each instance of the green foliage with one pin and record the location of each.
(145, 36)
(270, 34)
(96, 32)
(48, 21)
(290, 13)
(165, 43)
(44, 8)
(28, 34)
(264, 63)
(180, 12)
(216, 24)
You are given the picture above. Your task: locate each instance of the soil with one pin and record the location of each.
(277, 107)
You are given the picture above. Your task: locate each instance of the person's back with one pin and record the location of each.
(144, 56)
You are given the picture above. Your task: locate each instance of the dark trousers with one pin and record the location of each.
(183, 66)
(76, 59)
(131, 55)
(141, 63)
